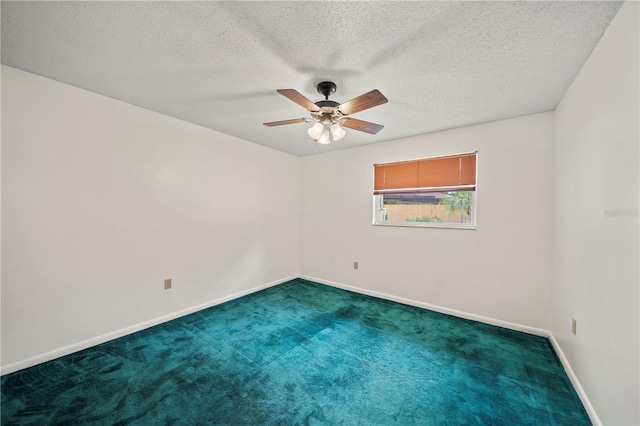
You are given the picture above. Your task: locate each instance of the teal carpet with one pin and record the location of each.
(302, 353)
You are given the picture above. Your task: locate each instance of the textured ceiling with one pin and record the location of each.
(218, 64)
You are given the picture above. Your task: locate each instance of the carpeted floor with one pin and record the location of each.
(302, 353)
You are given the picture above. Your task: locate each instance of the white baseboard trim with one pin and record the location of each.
(593, 416)
(57, 353)
(436, 308)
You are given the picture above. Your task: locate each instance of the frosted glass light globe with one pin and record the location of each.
(315, 131)
(337, 132)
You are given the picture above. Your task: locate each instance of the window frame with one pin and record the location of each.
(378, 199)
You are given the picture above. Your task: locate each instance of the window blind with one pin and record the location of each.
(437, 174)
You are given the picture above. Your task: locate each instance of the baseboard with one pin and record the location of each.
(436, 308)
(57, 353)
(593, 416)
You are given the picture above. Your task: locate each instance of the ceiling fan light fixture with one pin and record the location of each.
(337, 132)
(315, 131)
(325, 137)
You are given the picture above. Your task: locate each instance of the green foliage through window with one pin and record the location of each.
(424, 219)
(458, 202)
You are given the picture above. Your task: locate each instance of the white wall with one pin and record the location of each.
(102, 200)
(501, 270)
(596, 271)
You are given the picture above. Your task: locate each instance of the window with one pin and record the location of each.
(430, 192)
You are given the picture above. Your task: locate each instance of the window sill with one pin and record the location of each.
(467, 226)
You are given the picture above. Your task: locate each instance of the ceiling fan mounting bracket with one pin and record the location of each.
(326, 88)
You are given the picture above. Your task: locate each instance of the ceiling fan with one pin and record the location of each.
(330, 116)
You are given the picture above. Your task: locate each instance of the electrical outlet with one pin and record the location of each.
(573, 326)
(355, 265)
(167, 284)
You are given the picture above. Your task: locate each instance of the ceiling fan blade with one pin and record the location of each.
(363, 126)
(362, 102)
(298, 98)
(283, 122)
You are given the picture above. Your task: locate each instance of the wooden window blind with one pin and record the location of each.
(438, 174)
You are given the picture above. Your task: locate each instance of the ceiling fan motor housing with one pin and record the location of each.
(329, 104)
(328, 109)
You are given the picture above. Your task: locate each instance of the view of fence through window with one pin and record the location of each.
(453, 207)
